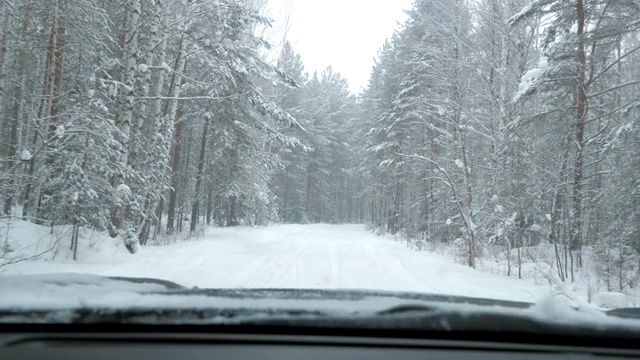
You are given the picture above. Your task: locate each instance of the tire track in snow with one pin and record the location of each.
(334, 264)
(270, 273)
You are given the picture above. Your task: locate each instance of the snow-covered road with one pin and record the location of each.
(293, 256)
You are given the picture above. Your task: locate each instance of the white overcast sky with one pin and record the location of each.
(343, 33)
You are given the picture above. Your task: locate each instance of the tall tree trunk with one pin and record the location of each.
(155, 42)
(123, 120)
(47, 112)
(77, 211)
(175, 171)
(129, 59)
(183, 183)
(231, 213)
(232, 219)
(209, 207)
(4, 30)
(195, 210)
(581, 115)
(58, 33)
(12, 122)
(76, 233)
(556, 213)
(53, 84)
(465, 199)
(159, 209)
(171, 111)
(157, 163)
(4, 122)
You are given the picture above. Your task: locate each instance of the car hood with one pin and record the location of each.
(65, 298)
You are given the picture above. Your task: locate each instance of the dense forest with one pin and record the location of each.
(485, 123)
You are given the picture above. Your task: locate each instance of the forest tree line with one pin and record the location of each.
(510, 123)
(484, 123)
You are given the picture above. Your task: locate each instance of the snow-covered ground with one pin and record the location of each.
(285, 256)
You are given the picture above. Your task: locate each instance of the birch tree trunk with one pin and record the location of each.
(157, 48)
(123, 120)
(171, 111)
(129, 56)
(155, 42)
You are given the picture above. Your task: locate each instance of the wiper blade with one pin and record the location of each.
(407, 308)
(424, 319)
(627, 313)
(156, 316)
(169, 285)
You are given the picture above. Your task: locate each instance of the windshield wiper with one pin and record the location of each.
(424, 320)
(407, 308)
(156, 316)
(169, 285)
(627, 313)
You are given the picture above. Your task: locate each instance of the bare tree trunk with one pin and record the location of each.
(175, 171)
(58, 33)
(3, 94)
(57, 45)
(195, 210)
(508, 255)
(125, 113)
(231, 213)
(581, 115)
(183, 183)
(232, 200)
(45, 112)
(171, 112)
(159, 209)
(465, 199)
(76, 231)
(209, 207)
(52, 85)
(157, 49)
(519, 245)
(620, 266)
(556, 213)
(12, 121)
(4, 23)
(154, 42)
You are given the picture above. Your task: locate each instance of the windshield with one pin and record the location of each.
(485, 149)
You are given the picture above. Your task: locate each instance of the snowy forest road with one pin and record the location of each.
(293, 256)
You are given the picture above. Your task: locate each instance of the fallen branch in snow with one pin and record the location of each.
(16, 260)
